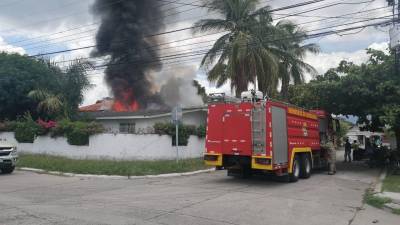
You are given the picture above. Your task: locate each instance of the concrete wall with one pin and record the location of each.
(112, 146)
(145, 125)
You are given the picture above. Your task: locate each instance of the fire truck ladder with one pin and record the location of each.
(258, 126)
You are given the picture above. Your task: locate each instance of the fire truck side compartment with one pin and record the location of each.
(279, 135)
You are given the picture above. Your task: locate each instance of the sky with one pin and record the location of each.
(33, 27)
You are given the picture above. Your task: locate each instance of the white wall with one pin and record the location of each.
(112, 146)
(146, 124)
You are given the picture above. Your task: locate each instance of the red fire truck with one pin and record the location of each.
(258, 135)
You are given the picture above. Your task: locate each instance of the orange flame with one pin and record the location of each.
(119, 106)
(127, 103)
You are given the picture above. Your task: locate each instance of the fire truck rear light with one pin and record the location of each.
(211, 157)
(263, 161)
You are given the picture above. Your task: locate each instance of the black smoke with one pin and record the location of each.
(124, 36)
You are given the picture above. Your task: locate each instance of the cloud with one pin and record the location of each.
(4, 47)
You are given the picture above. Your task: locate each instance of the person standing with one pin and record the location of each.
(332, 155)
(347, 151)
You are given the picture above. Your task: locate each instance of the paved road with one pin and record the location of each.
(212, 198)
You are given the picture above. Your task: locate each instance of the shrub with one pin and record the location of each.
(78, 136)
(77, 133)
(94, 128)
(61, 128)
(201, 131)
(26, 130)
(163, 128)
(184, 132)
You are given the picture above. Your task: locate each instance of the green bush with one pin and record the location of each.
(61, 129)
(201, 131)
(78, 137)
(78, 132)
(183, 134)
(26, 130)
(163, 128)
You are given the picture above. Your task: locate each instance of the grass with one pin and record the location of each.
(109, 167)
(374, 200)
(396, 211)
(391, 183)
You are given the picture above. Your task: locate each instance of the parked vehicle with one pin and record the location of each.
(8, 156)
(257, 135)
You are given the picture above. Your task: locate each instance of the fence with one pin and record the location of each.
(112, 146)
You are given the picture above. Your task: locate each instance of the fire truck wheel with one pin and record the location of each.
(294, 175)
(305, 166)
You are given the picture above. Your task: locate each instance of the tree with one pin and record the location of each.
(18, 76)
(52, 86)
(291, 53)
(369, 91)
(48, 103)
(201, 91)
(239, 55)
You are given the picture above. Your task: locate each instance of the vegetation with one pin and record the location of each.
(391, 183)
(375, 200)
(26, 130)
(109, 167)
(76, 132)
(252, 49)
(201, 91)
(369, 91)
(184, 132)
(40, 87)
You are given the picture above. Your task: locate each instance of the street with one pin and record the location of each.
(209, 198)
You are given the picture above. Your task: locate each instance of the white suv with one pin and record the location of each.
(8, 156)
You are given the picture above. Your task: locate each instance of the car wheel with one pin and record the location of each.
(305, 166)
(8, 170)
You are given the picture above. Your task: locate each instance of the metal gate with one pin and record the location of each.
(279, 135)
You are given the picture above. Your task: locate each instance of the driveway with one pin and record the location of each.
(210, 198)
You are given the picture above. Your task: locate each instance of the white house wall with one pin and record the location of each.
(112, 146)
(144, 124)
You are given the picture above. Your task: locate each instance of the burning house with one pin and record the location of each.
(143, 93)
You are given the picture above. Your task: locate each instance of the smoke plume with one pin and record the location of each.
(177, 87)
(123, 36)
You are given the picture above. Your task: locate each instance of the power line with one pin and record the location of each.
(96, 23)
(319, 29)
(177, 30)
(290, 6)
(202, 52)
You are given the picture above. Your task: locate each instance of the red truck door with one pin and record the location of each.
(237, 132)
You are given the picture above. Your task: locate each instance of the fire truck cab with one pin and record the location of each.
(259, 135)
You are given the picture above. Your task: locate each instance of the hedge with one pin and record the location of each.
(77, 132)
(184, 132)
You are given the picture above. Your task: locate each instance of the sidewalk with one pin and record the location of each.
(371, 215)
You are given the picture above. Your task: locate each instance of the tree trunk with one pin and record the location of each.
(285, 88)
(241, 82)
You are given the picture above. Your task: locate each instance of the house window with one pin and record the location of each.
(127, 128)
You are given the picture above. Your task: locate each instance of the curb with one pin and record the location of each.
(115, 177)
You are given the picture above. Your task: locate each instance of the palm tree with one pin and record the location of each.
(239, 55)
(291, 56)
(63, 98)
(48, 103)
